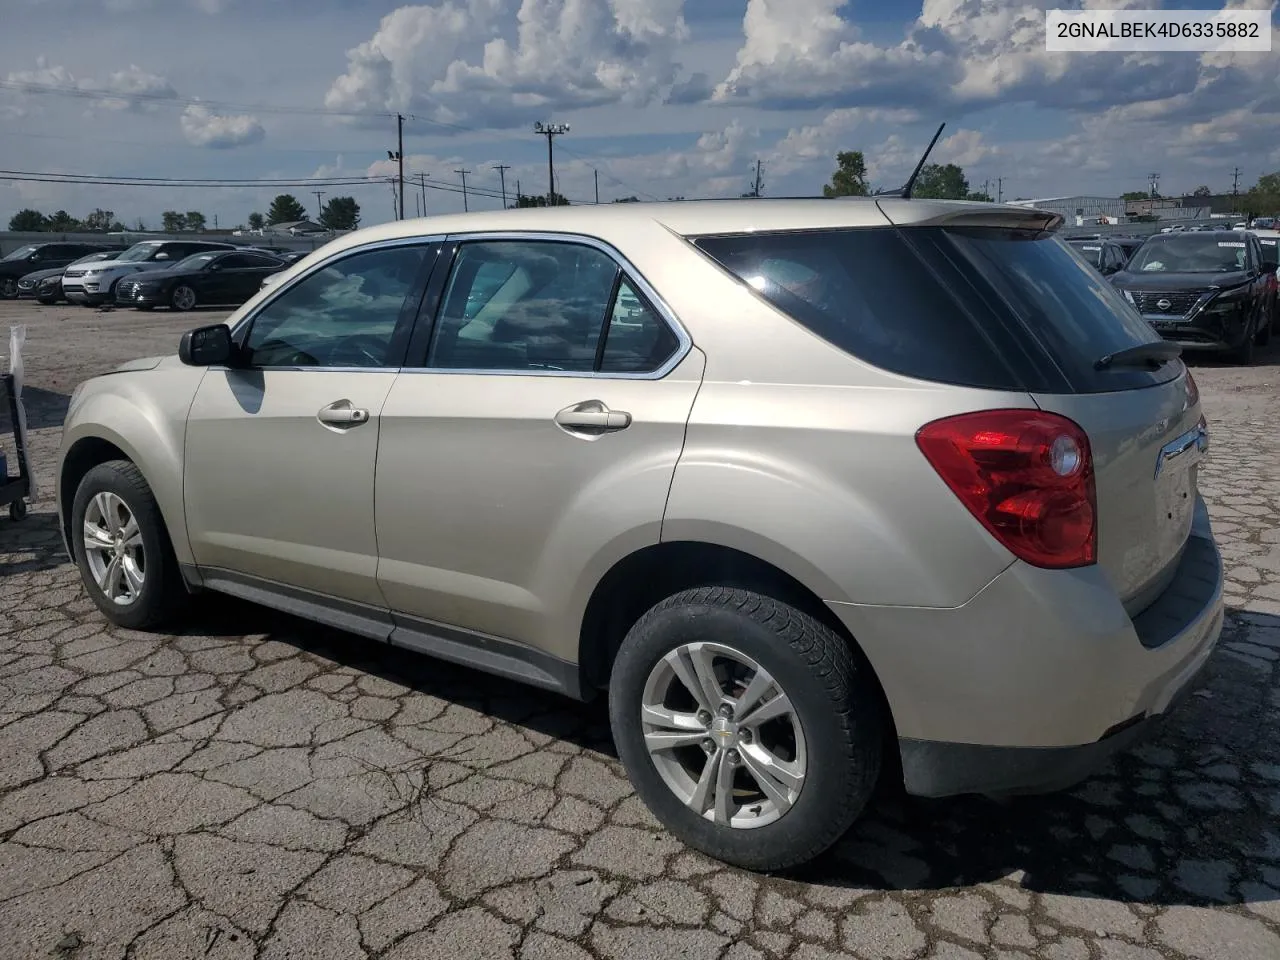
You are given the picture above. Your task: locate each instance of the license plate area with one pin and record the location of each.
(1175, 489)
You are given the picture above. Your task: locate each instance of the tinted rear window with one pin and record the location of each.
(985, 307)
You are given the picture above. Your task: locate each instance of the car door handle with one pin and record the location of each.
(341, 413)
(593, 417)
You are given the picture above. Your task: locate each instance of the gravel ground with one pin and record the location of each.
(259, 787)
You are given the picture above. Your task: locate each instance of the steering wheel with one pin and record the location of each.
(361, 350)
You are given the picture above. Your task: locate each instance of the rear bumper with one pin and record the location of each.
(1033, 683)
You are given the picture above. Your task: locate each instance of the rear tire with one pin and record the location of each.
(8, 289)
(183, 298)
(144, 588)
(829, 731)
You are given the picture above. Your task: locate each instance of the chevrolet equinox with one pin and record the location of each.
(811, 490)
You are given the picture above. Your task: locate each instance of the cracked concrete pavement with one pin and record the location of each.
(256, 786)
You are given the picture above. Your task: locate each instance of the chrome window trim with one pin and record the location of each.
(279, 290)
(665, 313)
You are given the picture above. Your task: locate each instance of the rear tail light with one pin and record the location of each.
(1026, 475)
(1193, 391)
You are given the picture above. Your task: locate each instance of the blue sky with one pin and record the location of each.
(665, 98)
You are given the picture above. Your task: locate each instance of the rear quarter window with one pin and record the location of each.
(984, 307)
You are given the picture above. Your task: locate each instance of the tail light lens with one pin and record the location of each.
(1026, 475)
(1193, 391)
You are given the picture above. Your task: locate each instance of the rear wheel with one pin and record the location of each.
(122, 547)
(183, 298)
(8, 288)
(747, 726)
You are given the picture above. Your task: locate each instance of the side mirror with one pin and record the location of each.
(207, 346)
(162, 256)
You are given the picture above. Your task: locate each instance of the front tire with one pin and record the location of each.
(748, 727)
(8, 289)
(122, 547)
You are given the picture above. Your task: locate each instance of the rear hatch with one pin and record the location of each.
(1105, 370)
(989, 296)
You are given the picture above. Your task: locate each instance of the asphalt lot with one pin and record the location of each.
(259, 787)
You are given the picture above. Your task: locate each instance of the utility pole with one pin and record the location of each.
(319, 206)
(758, 184)
(1154, 180)
(422, 181)
(518, 193)
(1235, 189)
(463, 174)
(502, 169)
(597, 174)
(550, 131)
(398, 155)
(999, 189)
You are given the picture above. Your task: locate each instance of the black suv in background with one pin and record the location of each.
(1205, 290)
(1107, 256)
(40, 256)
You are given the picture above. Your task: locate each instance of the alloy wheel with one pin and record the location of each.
(184, 298)
(113, 548)
(723, 735)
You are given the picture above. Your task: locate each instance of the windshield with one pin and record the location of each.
(1188, 253)
(139, 251)
(197, 261)
(1092, 252)
(22, 252)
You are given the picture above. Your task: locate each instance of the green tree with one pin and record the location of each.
(1136, 195)
(627, 200)
(117, 227)
(1263, 198)
(286, 208)
(28, 221)
(541, 201)
(850, 178)
(980, 195)
(141, 227)
(340, 213)
(195, 221)
(1202, 191)
(939, 181)
(63, 222)
(99, 221)
(257, 221)
(173, 222)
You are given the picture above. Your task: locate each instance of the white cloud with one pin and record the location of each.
(129, 89)
(428, 59)
(204, 128)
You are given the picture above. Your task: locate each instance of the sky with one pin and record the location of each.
(664, 98)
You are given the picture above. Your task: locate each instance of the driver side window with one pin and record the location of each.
(346, 314)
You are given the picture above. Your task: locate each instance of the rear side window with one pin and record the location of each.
(867, 292)
(975, 306)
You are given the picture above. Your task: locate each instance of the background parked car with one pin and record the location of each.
(38, 256)
(95, 283)
(1205, 291)
(1106, 255)
(222, 277)
(46, 285)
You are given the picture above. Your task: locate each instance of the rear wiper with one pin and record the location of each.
(1142, 355)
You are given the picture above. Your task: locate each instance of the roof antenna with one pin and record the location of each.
(904, 191)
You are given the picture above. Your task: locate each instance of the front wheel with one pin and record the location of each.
(122, 548)
(748, 727)
(8, 289)
(183, 298)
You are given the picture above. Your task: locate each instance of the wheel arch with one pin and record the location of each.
(648, 575)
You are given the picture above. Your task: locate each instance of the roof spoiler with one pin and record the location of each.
(953, 214)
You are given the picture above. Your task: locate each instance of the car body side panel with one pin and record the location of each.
(492, 518)
(832, 475)
(143, 413)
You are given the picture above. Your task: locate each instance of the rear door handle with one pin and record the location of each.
(341, 413)
(592, 417)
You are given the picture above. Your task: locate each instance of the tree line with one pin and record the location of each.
(340, 213)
